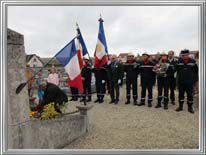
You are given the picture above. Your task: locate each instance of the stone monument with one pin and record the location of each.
(18, 105)
(26, 133)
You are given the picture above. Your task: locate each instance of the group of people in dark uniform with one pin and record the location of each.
(167, 71)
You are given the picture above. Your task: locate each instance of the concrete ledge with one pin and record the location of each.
(84, 108)
(56, 133)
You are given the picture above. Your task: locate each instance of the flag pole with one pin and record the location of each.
(87, 52)
(22, 85)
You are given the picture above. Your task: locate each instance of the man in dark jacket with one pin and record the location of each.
(147, 79)
(52, 93)
(171, 75)
(115, 71)
(131, 68)
(186, 69)
(101, 78)
(161, 69)
(86, 77)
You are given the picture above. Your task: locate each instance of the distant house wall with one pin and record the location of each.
(35, 62)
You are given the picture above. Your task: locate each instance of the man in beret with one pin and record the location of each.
(147, 79)
(131, 68)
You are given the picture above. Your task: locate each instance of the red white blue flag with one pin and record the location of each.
(101, 52)
(68, 57)
(81, 47)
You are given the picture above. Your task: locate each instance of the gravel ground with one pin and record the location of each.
(132, 127)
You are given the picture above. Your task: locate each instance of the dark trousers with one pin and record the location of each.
(133, 83)
(74, 92)
(147, 84)
(114, 91)
(87, 90)
(100, 89)
(172, 85)
(162, 84)
(185, 87)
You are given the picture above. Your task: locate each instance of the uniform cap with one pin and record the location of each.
(163, 54)
(130, 54)
(185, 52)
(145, 53)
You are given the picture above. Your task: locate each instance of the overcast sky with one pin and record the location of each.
(136, 29)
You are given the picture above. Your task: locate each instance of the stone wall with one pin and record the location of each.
(18, 105)
(56, 133)
(24, 133)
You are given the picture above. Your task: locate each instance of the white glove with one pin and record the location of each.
(119, 81)
(103, 81)
(108, 62)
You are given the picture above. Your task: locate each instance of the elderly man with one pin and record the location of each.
(171, 75)
(186, 69)
(115, 71)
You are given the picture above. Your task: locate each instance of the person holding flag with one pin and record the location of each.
(85, 66)
(86, 77)
(100, 63)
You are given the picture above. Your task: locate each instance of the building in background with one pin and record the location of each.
(34, 61)
(123, 57)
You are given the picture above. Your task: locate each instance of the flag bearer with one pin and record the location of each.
(131, 68)
(171, 75)
(115, 71)
(186, 69)
(147, 79)
(86, 77)
(161, 69)
(101, 79)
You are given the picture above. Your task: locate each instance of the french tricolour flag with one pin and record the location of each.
(81, 47)
(101, 53)
(69, 59)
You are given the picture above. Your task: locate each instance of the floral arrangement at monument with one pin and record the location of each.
(48, 112)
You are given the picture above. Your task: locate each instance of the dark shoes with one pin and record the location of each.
(97, 100)
(190, 109)
(112, 101)
(165, 106)
(149, 104)
(89, 100)
(141, 104)
(116, 102)
(101, 101)
(82, 100)
(158, 105)
(127, 102)
(135, 102)
(180, 108)
(71, 99)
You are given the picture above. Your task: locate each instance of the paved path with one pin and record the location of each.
(132, 127)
